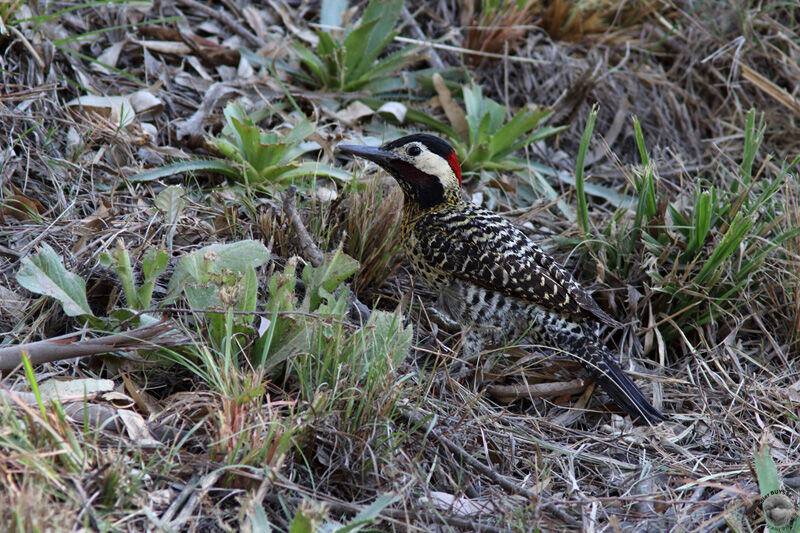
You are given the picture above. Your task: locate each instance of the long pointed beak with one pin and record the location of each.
(377, 155)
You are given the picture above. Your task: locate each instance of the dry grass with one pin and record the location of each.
(496, 25)
(440, 435)
(372, 225)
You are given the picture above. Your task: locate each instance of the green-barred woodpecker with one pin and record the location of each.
(492, 279)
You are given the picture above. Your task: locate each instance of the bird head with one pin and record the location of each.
(425, 166)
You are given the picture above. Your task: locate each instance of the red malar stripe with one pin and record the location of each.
(455, 165)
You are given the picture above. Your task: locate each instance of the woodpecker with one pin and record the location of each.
(492, 279)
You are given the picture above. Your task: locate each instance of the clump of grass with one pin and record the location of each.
(259, 159)
(702, 256)
(497, 24)
(372, 223)
(482, 134)
(245, 431)
(570, 20)
(45, 459)
(501, 23)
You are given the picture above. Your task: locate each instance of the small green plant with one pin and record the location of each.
(138, 298)
(481, 136)
(44, 273)
(348, 367)
(220, 277)
(256, 158)
(353, 64)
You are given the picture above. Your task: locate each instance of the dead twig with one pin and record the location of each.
(226, 19)
(69, 346)
(310, 251)
(509, 393)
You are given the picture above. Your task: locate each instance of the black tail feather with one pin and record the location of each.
(617, 384)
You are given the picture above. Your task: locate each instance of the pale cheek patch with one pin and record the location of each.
(435, 165)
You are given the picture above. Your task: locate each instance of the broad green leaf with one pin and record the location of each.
(543, 133)
(278, 334)
(230, 150)
(44, 273)
(472, 105)
(299, 132)
(249, 291)
(388, 335)
(235, 110)
(299, 149)
(388, 66)
(235, 256)
(412, 115)
(259, 155)
(336, 268)
(170, 202)
(387, 84)
(312, 168)
(355, 47)
(330, 303)
(504, 141)
(200, 165)
(386, 15)
(326, 46)
(275, 173)
(301, 523)
(311, 61)
(367, 63)
(202, 296)
(199, 265)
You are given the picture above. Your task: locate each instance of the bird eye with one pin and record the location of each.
(414, 150)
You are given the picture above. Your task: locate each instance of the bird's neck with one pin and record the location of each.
(413, 210)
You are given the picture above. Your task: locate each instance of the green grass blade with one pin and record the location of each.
(730, 242)
(31, 377)
(752, 140)
(583, 209)
(201, 165)
(637, 128)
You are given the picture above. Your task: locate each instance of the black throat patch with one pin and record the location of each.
(419, 187)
